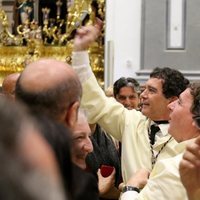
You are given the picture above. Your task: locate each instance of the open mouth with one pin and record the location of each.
(144, 104)
(81, 156)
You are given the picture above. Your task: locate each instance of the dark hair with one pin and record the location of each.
(59, 138)
(174, 83)
(195, 109)
(51, 102)
(125, 82)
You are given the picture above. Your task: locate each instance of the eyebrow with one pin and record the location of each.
(151, 87)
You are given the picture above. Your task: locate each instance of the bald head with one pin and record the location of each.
(9, 83)
(45, 74)
(48, 86)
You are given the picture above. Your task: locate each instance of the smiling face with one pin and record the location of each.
(181, 122)
(81, 142)
(153, 102)
(128, 97)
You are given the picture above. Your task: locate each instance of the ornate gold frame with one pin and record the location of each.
(13, 58)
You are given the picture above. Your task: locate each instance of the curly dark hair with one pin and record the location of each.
(125, 82)
(174, 83)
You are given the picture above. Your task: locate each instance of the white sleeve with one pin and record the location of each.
(81, 65)
(129, 195)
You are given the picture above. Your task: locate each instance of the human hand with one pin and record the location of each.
(86, 35)
(105, 183)
(139, 179)
(189, 167)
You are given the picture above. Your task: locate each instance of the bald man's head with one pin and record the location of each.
(49, 87)
(9, 83)
(44, 74)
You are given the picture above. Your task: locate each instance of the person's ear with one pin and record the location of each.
(196, 122)
(72, 114)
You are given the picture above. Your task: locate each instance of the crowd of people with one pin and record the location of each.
(58, 129)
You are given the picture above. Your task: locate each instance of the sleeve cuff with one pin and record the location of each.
(129, 195)
(80, 58)
(81, 65)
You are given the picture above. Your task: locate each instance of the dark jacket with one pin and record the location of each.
(84, 185)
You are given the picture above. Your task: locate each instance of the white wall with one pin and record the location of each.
(123, 30)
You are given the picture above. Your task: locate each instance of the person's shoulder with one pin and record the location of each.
(135, 116)
(168, 166)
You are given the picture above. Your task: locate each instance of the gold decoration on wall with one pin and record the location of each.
(33, 41)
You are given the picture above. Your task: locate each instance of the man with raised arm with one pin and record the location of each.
(133, 128)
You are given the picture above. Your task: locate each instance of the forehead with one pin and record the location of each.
(155, 83)
(186, 97)
(127, 89)
(82, 126)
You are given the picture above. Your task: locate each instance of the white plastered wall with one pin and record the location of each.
(123, 39)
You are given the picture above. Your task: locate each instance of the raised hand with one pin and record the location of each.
(86, 35)
(190, 168)
(105, 184)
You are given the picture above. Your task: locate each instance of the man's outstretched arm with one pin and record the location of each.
(105, 111)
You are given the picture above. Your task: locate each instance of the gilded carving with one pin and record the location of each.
(33, 40)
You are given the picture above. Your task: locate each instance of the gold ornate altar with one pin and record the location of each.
(33, 41)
